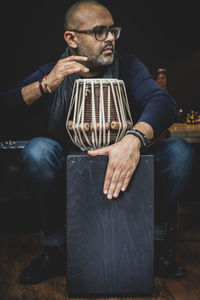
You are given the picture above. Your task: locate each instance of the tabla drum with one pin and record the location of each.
(99, 113)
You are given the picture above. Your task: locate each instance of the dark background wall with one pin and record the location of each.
(161, 34)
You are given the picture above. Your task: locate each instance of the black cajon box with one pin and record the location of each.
(110, 243)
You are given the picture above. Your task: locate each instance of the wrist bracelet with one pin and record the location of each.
(46, 85)
(40, 86)
(144, 140)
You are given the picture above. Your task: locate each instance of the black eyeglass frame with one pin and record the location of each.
(93, 30)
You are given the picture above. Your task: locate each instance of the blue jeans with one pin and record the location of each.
(44, 170)
(174, 162)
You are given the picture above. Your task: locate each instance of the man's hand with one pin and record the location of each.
(65, 67)
(123, 159)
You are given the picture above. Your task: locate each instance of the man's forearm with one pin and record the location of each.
(146, 129)
(31, 93)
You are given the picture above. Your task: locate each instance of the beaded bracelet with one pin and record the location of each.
(41, 87)
(46, 85)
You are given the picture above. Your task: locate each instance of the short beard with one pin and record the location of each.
(95, 62)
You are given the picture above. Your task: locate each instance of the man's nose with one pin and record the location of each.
(110, 37)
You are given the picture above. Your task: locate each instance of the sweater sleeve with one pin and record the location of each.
(157, 107)
(12, 98)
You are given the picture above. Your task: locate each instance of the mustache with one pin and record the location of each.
(109, 44)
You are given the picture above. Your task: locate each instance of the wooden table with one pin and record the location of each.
(190, 132)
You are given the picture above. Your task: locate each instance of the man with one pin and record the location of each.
(90, 34)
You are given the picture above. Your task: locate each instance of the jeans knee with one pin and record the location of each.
(41, 152)
(183, 152)
(182, 157)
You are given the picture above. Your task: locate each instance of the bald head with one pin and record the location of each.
(81, 11)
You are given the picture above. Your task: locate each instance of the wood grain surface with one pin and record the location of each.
(17, 250)
(109, 242)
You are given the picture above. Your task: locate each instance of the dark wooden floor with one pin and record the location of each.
(17, 250)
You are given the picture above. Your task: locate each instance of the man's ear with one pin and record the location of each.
(70, 38)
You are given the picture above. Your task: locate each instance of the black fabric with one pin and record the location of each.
(61, 101)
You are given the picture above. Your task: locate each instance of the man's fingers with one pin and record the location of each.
(77, 66)
(75, 58)
(102, 151)
(126, 180)
(113, 183)
(65, 67)
(71, 68)
(119, 169)
(108, 178)
(120, 183)
(76, 70)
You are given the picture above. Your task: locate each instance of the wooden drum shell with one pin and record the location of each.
(99, 113)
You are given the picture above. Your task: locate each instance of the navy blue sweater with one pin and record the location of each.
(148, 101)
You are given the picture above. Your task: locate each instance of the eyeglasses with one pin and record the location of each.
(101, 32)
